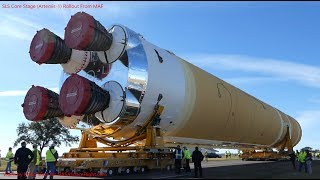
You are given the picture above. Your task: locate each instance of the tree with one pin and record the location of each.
(307, 148)
(44, 133)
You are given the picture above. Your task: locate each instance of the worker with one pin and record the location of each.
(228, 154)
(187, 157)
(302, 160)
(197, 157)
(9, 159)
(33, 166)
(206, 155)
(239, 153)
(178, 159)
(308, 162)
(51, 159)
(22, 159)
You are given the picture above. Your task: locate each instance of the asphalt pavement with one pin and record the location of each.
(217, 169)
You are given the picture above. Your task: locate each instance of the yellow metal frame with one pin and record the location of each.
(120, 155)
(147, 131)
(285, 143)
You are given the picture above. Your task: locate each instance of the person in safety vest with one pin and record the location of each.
(51, 159)
(34, 164)
(302, 160)
(187, 157)
(9, 159)
(178, 159)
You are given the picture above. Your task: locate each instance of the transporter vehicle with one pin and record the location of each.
(140, 101)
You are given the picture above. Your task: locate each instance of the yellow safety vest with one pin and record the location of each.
(302, 156)
(50, 156)
(9, 155)
(187, 154)
(37, 157)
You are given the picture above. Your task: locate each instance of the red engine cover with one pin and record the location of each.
(35, 103)
(79, 32)
(42, 46)
(75, 95)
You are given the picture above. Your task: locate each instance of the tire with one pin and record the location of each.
(136, 169)
(168, 168)
(110, 172)
(127, 171)
(120, 170)
(142, 169)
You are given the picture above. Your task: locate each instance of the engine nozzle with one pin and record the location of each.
(83, 32)
(79, 96)
(41, 103)
(46, 47)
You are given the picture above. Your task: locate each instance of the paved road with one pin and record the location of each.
(150, 174)
(221, 169)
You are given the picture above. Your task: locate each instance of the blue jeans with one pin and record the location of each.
(8, 168)
(303, 164)
(50, 167)
(309, 166)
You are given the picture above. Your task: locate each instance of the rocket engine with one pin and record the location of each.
(112, 78)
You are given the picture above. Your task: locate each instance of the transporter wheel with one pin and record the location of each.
(168, 168)
(120, 170)
(88, 172)
(110, 172)
(67, 170)
(127, 170)
(136, 169)
(102, 172)
(142, 169)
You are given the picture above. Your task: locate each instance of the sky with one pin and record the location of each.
(270, 50)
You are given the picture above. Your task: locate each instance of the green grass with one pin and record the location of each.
(4, 165)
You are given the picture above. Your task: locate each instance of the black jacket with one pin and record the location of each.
(292, 156)
(197, 156)
(23, 156)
